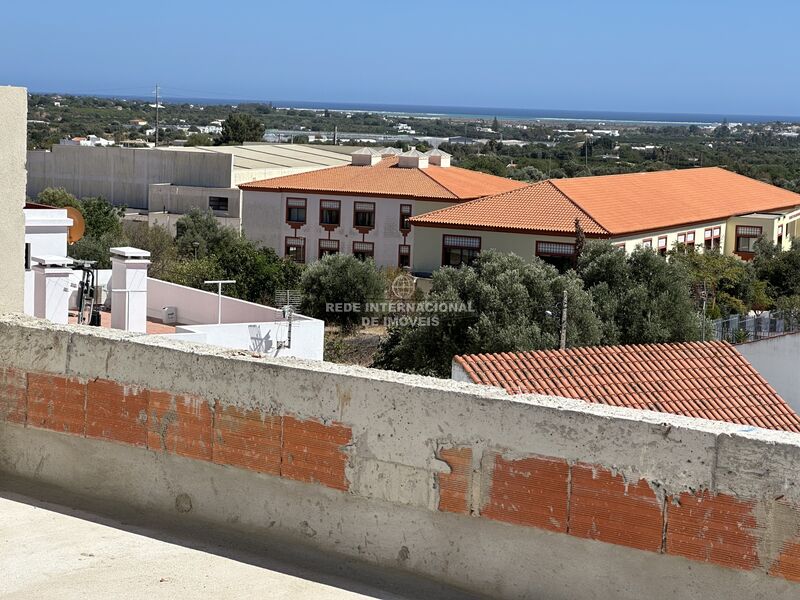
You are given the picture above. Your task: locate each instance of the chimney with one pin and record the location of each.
(413, 159)
(51, 287)
(439, 158)
(365, 157)
(389, 152)
(129, 288)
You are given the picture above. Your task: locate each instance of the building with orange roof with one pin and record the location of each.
(705, 207)
(362, 208)
(706, 380)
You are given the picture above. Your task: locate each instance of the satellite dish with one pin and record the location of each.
(78, 226)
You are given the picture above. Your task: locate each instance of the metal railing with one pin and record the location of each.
(738, 329)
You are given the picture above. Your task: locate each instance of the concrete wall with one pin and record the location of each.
(123, 175)
(13, 142)
(514, 497)
(778, 360)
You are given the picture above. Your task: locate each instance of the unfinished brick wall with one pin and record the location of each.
(470, 480)
(162, 421)
(593, 502)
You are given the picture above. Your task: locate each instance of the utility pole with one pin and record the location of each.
(563, 344)
(157, 102)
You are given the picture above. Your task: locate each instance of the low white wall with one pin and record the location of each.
(778, 360)
(308, 337)
(198, 307)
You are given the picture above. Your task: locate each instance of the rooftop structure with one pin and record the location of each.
(708, 380)
(706, 207)
(362, 208)
(388, 178)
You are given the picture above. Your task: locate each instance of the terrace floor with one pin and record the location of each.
(50, 551)
(153, 327)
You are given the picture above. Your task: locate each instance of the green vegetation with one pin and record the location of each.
(766, 151)
(202, 249)
(338, 279)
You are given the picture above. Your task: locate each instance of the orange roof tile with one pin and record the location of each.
(540, 207)
(610, 205)
(708, 380)
(386, 179)
(637, 202)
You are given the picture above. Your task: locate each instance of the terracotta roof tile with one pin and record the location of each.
(538, 207)
(709, 380)
(617, 204)
(386, 179)
(635, 202)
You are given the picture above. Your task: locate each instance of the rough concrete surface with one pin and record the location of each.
(51, 551)
(13, 144)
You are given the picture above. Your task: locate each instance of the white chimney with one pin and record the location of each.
(413, 159)
(129, 288)
(439, 158)
(51, 288)
(384, 152)
(365, 157)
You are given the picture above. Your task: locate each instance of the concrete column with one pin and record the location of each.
(13, 146)
(51, 288)
(129, 288)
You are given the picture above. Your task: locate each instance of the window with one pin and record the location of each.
(404, 256)
(364, 215)
(405, 215)
(619, 246)
(460, 250)
(296, 249)
(780, 235)
(558, 254)
(296, 211)
(662, 245)
(711, 238)
(363, 250)
(746, 237)
(648, 243)
(330, 213)
(328, 247)
(218, 203)
(681, 238)
(690, 238)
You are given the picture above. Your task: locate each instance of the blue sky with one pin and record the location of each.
(662, 56)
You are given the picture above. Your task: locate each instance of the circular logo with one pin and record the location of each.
(403, 286)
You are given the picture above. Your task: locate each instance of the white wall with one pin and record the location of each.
(264, 220)
(46, 232)
(198, 307)
(308, 337)
(778, 360)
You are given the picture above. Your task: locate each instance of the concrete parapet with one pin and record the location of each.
(510, 496)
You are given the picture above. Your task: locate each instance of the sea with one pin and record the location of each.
(507, 114)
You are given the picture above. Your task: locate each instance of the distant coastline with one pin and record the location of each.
(476, 113)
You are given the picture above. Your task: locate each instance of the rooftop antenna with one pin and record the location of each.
(288, 312)
(219, 283)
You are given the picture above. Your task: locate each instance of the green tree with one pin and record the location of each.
(641, 298)
(158, 241)
(59, 197)
(199, 139)
(514, 307)
(340, 279)
(241, 127)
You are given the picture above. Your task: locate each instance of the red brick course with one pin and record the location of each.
(454, 487)
(788, 563)
(57, 403)
(529, 491)
(247, 439)
(12, 395)
(604, 507)
(116, 412)
(712, 528)
(180, 424)
(312, 452)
